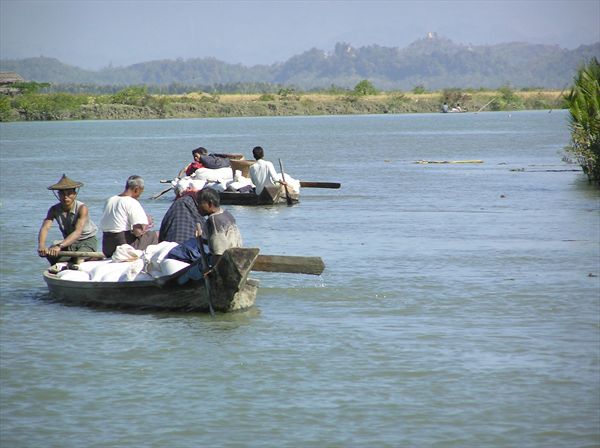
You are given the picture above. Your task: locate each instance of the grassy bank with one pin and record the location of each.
(135, 103)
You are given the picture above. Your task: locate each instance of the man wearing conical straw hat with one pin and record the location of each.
(72, 216)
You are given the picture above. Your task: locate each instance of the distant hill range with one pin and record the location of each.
(433, 62)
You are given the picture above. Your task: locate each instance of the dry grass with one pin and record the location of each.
(236, 98)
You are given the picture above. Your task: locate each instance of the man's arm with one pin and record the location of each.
(182, 172)
(273, 175)
(138, 230)
(43, 233)
(138, 217)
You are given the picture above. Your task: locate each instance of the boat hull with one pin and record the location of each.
(230, 289)
(269, 196)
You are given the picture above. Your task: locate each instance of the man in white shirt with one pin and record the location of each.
(124, 220)
(263, 173)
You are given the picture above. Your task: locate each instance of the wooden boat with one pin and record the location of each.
(230, 288)
(270, 195)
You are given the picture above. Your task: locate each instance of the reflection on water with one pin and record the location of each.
(456, 297)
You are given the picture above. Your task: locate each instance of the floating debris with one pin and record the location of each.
(448, 161)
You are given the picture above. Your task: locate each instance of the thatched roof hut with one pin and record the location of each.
(10, 78)
(7, 79)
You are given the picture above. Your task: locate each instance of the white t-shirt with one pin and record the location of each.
(262, 173)
(121, 213)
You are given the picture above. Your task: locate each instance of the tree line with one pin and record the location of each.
(435, 63)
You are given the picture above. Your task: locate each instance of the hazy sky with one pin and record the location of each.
(96, 33)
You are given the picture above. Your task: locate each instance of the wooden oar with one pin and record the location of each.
(205, 270)
(287, 193)
(84, 255)
(305, 184)
(156, 196)
(265, 263)
(289, 264)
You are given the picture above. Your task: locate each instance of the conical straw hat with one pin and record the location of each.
(65, 184)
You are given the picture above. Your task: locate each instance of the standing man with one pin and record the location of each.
(78, 230)
(263, 173)
(124, 220)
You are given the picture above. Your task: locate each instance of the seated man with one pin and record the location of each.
(220, 231)
(263, 173)
(124, 220)
(179, 223)
(196, 164)
(78, 230)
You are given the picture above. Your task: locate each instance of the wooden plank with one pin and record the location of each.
(306, 184)
(66, 253)
(289, 264)
(266, 263)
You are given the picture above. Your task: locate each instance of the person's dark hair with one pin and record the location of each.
(208, 195)
(134, 181)
(258, 152)
(202, 151)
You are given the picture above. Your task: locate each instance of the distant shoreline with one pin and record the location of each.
(202, 105)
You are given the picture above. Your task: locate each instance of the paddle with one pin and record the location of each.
(265, 263)
(156, 196)
(287, 193)
(67, 253)
(289, 264)
(305, 184)
(205, 269)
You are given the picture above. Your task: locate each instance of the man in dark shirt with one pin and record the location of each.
(219, 232)
(179, 223)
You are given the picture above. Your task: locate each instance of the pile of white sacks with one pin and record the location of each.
(222, 179)
(127, 264)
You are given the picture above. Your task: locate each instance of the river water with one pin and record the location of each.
(459, 306)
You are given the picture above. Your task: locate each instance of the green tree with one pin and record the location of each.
(49, 106)
(133, 96)
(364, 87)
(30, 87)
(418, 90)
(508, 99)
(583, 102)
(454, 96)
(5, 108)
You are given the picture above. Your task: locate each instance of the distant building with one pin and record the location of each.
(432, 35)
(7, 79)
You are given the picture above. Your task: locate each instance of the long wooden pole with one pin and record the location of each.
(205, 270)
(307, 184)
(303, 184)
(289, 264)
(156, 196)
(287, 193)
(485, 105)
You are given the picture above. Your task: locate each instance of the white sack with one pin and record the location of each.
(216, 175)
(76, 276)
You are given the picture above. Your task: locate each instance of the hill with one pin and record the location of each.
(433, 62)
